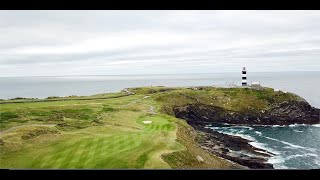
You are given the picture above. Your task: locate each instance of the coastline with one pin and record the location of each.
(285, 154)
(189, 104)
(234, 148)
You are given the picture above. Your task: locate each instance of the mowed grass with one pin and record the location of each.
(122, 140)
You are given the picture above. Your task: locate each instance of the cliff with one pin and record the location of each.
(238, 106)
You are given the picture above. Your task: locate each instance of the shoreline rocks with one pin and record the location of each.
(233, 148)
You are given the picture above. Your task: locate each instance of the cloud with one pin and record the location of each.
(147, 42)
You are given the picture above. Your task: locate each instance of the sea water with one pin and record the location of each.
(295, 146)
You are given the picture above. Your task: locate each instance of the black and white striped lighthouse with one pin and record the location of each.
(244, 76)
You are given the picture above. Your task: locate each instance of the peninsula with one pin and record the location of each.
(146, 127)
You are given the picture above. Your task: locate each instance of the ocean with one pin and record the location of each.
(295, 146)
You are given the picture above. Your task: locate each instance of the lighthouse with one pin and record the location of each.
(244, 77)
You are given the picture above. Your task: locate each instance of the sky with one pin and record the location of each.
(57, 43)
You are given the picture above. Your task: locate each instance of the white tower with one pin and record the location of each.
(244, 76)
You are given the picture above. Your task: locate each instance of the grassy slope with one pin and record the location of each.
(234, 99)
(98, 133)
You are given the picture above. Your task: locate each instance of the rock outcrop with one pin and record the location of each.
(233, 148)
(293, 112)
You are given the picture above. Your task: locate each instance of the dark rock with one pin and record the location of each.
(251, 163)
(299, 112)
(234, 148)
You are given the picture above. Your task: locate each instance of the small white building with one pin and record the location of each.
(256, 85)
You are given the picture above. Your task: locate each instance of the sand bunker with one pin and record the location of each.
(147, 122)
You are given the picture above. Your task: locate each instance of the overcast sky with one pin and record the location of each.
(48, 43)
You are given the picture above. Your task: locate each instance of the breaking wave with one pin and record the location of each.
(291, 145)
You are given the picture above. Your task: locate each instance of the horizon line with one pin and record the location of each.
(156, 74)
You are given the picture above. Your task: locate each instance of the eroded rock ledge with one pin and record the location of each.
(233, 148)
(294, 112)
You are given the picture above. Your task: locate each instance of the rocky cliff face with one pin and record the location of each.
(287, 112)
(236, 148)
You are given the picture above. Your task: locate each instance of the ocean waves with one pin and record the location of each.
(293, 146)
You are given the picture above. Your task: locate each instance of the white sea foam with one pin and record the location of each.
(297, 131)
(296, 125)
(290, 144)
(280, 166)
(253, 142)
(214, 128)
(260, 125)
(276, 160)
(258, 145)
(245, 127)
(264, 147)
(316, 125)
(317, 161)
(263, 125)
(235, 133)
(301, 155)
(279, 126)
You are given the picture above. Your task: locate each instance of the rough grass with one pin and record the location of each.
(116, 147)
(150, 90)
(105, 133)
(5, 116)
(234, 99)
(38, 132)
(86, 134)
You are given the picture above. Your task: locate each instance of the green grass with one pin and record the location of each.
(103, 132)
(121, 140)
(67, 98)
(116, 147)
(233, 99)
(5, 116)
